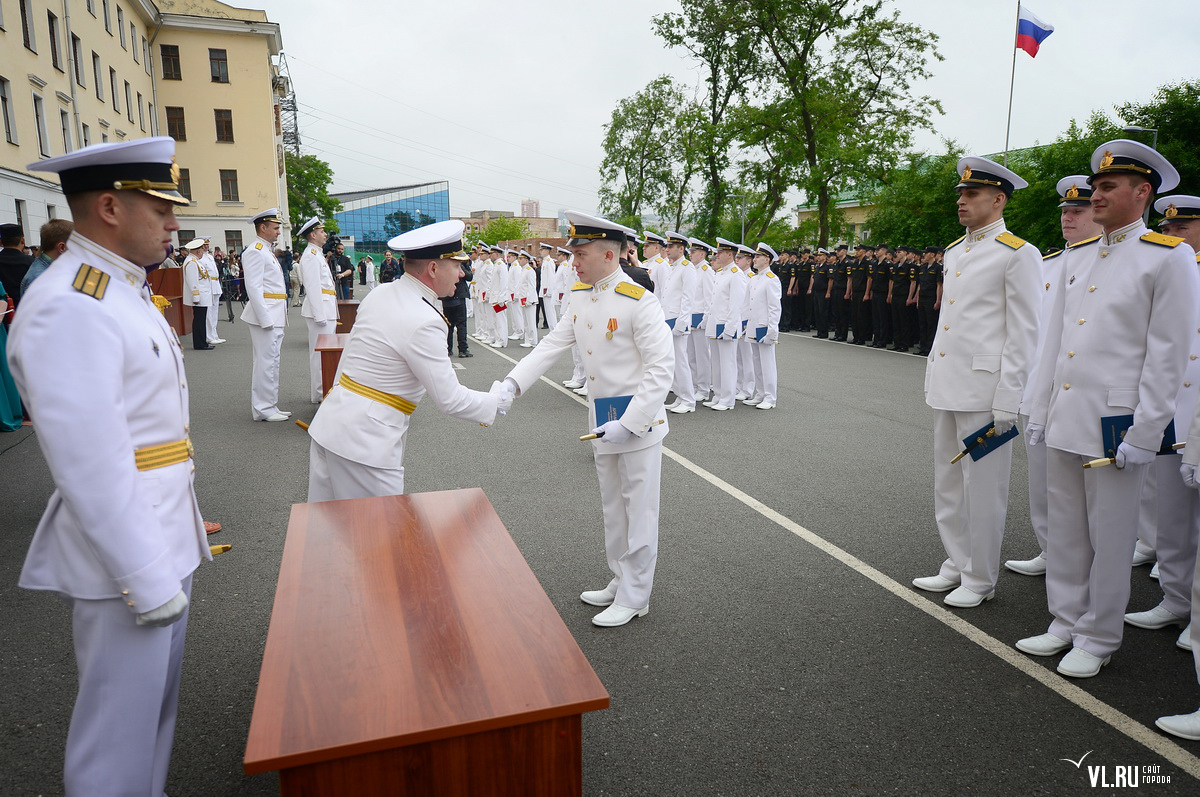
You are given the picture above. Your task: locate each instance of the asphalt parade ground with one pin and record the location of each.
(785, 651)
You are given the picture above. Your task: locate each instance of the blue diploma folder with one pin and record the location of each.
(671, 323)
(988, 444)
(720, 330)
(611, 408)
(1114, 427)
(760, 333)
(696, 319)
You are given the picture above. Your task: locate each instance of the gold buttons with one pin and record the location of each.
(946, 327)
(1104, 254)
(1187, 384)
(589, 325)
(1082, 321)
(592, 378)
(1091, 289)
(124, 592)
(941, 354)
(958, 273)
(1191, 356)
(951, 301)
(589, 351)
(128, 603)
(1067, 386)
(1070, 354)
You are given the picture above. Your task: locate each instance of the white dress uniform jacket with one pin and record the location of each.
(765, 307)
(320, 295)
(677, 290)
(196, 292)
(729, 293)
(214, 276)
(103, 374)
(266, 294)
(397, 347)
(987, 331)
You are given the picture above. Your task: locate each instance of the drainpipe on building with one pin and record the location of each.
(154, 76)
(73, 78)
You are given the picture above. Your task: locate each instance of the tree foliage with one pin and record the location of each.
(1175, 112)
(308, 179)
(504, 228)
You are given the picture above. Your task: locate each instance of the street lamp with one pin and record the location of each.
(1137, 129)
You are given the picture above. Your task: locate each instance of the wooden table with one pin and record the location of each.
(331, 347)
(168, 282)
(412, 651)
(347, 314)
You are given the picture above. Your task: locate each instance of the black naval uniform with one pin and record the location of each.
(785, 272)
(802, 302)
(841, 308)
(928, 277)
(822, 278)
(881, 313)
(860, 311)
(902, 331)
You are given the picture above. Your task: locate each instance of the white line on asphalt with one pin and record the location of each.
(1115, 718)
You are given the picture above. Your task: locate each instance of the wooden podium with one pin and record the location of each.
(347, 314)
(412, 651)
(168, 282)
(330, 347)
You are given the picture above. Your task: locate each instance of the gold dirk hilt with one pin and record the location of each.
(1103, 461)
(990, 432)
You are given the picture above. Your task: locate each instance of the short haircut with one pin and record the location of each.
(12, 240)
(55, 232)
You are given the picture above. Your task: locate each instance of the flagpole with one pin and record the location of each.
(1011, 80)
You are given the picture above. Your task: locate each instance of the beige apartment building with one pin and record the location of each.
(80, 72)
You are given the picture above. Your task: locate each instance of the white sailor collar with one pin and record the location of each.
(95, 255)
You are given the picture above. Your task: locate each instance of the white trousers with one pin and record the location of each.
(1093, 518)
(745, 378)
(314, 357)
(970, 501)
(578, 373)
(1147, 519)
(516, 319)
(550, 311)
(483, 320)
(1178, 515)
(685, 393)
(211, 328)
(264, 371)
(629, 494)
(766, 376)
(1037, 486)
(123, 724)
(334, 478)
(499, 327)
(723, 357)
(698, 359)
(529, 323)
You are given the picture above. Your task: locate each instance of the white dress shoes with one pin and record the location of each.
(701, 397)
(1154, 572)
(1184, 642)
(963, 598)
(934, 584)
(572, 383)
(1028, 567)
(766, 405)
(526, 345)
(673, 404)
(1042, 645)
(1158, 617)
(680, 409)
(720, 407)
(709, 402)
(598, 597)
(582, 390)
(1081, 664)
(753, 402)
(741, 396)
(1185, 726)
(276, 418)
(616, 615)
(1140, 558)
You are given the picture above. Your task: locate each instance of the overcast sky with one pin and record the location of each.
(507, 100)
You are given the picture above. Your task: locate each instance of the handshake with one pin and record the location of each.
(505, 392)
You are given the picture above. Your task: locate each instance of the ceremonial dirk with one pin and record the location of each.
(990, 432)
(601, 434)
(1100, 463)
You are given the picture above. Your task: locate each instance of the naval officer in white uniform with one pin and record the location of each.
(395, 356)
(121, 536)
(629, 356)
(196, 294)
(265, 315)
(320, 308)
(1075, 219)
(1117, 343)
(763, 328)
(214, 285)
(975, 375)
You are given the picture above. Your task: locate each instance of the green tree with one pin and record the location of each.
(914, 205)
(504, 228)
(400, 221)
(1175, 112)
(308, 179)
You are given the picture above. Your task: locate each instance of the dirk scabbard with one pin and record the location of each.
(1103, 461)
(978, 440)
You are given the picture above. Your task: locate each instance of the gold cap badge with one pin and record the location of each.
(1171, 212)
(1073, 192)
(966, 175)
(1107, 160)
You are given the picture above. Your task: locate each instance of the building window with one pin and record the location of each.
(51, 211)
(133, 45)
(185, 182)
(27, 25)
(98, 76)
(6, 109)
(52, 25)
(121, 26)
(112, 85)
(170, 61)
(175, 126)
(107, 18)
(229, 189)
(64, 120)
(104, 138)
(87, 136)
(21, 213)
(146, 54)
(233, 241)
(77, 58)
(153, 119)
(218, 65)
(39, 118)
(185, 236)
(224, 124)
(91, 7)
(128, 101)
(141, 112)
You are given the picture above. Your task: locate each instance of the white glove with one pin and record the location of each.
(322, 322)
(614, 432)
(166, 614)
(1035, 433)
(504, 396)
(679, 329)
(1129, 454)
(1188, 472)
(1003, 421)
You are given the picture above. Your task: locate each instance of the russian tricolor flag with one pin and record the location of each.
(1030, 31)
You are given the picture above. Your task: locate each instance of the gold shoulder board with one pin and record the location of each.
(733, 270)
(1158, 239)
(770, 275)
(953, 244)
(1084, 242)
(704, 267)
(630, 290)
(1010, 240)
(91, 280)
(581, 286)
(258, 246)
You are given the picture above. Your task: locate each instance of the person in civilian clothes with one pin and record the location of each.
(1117, 344)
(629, 355)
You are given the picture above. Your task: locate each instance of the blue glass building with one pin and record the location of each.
(373, 217)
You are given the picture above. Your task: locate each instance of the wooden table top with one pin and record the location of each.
(331, 341)
(407, 619)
